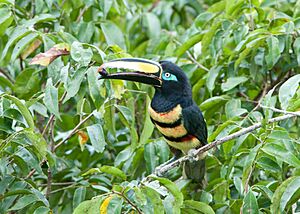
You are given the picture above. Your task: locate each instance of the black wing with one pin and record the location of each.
(194, 123)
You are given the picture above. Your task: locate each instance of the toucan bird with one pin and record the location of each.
(172, 108)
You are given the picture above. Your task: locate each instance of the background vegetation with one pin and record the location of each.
(66, 137)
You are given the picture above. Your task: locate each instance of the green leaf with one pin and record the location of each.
(153, 25)
(106, 6)
(38, 142)
(24, 201)
(178, 196)
(51, 99)
(113, 34)
(278, 201)
(115, 205)
(22, 44)
(148, 125)
(113, 171)
(292, 188)
(81, 55)
(96, 136)
(296, 47)
(14, 114)
(288, 90)
(198, 206)
(126, 113)
(250, 203)
(279, 151)
(233, 108)
(27, 83)
(90, 206)
(213, 101)
(232, 82)
(6, 19)
(212, 75)
(23, 109)
(18, 33)
(73, 84)
(273, 51)
(94, 86)
(155, 199)
(150, 157)
(42, 210)
(188, 44)
(79, 196)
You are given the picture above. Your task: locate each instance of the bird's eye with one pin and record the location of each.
(169, 76)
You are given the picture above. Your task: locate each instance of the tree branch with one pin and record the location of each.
(215, 143)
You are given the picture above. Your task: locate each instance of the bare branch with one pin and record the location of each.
(215, 143)
(280, 111)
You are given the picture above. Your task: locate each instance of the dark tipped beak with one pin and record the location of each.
(138, 70)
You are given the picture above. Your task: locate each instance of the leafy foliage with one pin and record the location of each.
(70, 143)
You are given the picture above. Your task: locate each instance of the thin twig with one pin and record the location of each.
(280, 110)
(49, 175)
(73, 131)
(128, 201)
(154, 5)
(82, 11)
(6, 75)
(59, 184)
(64, 188)
(196, 62)
(251, 17)
(215, 143)
(192, 58)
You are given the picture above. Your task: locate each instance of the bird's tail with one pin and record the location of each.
(195, 170)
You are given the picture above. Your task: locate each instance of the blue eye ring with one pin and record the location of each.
(169, 77)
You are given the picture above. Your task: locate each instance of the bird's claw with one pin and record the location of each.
(191, 156)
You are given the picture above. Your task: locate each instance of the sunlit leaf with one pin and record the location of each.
(96, 136)
(288, 90)
(232, 82)
(113, 171)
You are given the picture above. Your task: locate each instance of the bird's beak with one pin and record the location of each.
(137, 69)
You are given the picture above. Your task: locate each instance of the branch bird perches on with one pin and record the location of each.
(243, 131)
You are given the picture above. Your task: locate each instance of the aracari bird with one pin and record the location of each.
(172, 108)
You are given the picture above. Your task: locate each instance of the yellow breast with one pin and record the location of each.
(186, 145)
(166, 117)
(175, 132)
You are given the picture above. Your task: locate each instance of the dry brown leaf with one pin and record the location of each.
(83, 138)
(49, 56)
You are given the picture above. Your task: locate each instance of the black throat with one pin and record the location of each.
(167, 100)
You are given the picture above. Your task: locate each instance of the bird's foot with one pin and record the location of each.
(191, 155)
(158, 171)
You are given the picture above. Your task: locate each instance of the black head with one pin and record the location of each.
(174, 81)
